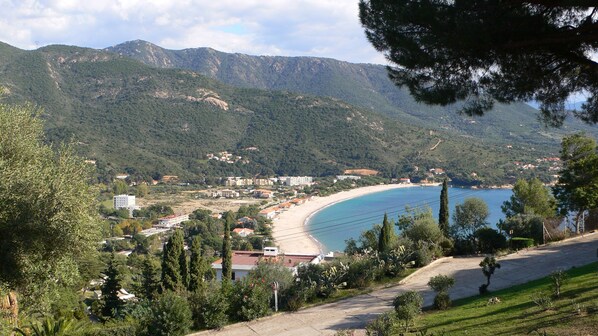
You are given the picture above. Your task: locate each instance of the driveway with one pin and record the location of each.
(356, 312)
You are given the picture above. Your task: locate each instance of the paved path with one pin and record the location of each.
(354, 313)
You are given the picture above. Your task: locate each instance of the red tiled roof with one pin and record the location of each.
(249, 258)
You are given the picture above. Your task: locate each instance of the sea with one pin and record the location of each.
(336, 223)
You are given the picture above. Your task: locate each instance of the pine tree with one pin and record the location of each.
(112, 304)
(226, 249)
(172, 276)
(443, 215)
(198, 266)
(387, 235)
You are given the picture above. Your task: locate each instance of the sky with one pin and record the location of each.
(320, 28)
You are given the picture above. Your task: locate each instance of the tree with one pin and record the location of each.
(111, 303)
(577, 187)
(141, 190)
(558, 278)
(150, 278)
(441, 285)
(387, 235)
(469, 217)
(488, 265)
(407, 306)
(171, 316)
(483, 51)
(48, 218)
(172, 272)
(227, 271)
(199, 267)
(443, 213)
(530, 197)
(120, 187)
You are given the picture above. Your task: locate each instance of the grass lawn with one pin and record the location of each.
(575, 313)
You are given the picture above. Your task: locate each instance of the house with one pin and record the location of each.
(262, 193)
(404, 180)
(348, 177)
(243, 232)
(269, 213)
(245, 261)
(172, 220)
(243, 221)
(170, 178)
(226, 193)
(122, 176)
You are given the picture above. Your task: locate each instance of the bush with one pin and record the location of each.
(407, 306)
(518, 243)
(360, 272)
(422, 257)
(171, 316)
(542, 300)
(558, 278)
(250, 299)
(385, 325)
(442, 301)
(209, 307)
(490, 240)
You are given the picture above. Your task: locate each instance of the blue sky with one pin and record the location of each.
(322, 28)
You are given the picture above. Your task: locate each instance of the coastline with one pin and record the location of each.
(289, 229)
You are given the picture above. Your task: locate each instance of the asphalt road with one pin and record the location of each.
(356, 312)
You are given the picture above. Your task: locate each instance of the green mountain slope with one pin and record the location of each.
(149, 121)
(363, 85)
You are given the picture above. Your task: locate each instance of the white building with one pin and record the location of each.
(124, 202)
(296, 180)
(172, 220)
(245, 261)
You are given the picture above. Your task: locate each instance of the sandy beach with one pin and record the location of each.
(289, 230)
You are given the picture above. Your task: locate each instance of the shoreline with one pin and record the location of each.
(290, 227)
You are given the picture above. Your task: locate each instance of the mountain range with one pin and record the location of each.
(146, 110)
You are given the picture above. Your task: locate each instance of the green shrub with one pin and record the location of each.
(490, 240)
(542, 300)
(442, 301)
(171, 316)
(250, 299)
(407, 306)
(518, 243)
(209, 307)
(385, 325)
(360, 272)
(422, 257)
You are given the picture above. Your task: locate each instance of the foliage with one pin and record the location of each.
(443, 213)
(209, 307)
(407, 306)
(199, 266)
(250, 299)
(174, 263)
(542, 300)
(527, 226)
(111, 303)
(54, 327)
(530, 197)
(384, 325)
(361, 271)
(518, 243)
(171, 315)
(229, 221)
(485, 51)
(387, 235)
(488, 265)
(558, 278)
(469, 216)
(441, 284)
(120, 187)
(47, 210)
(577, 187)
(490, 240)
(150, 283)
(269, 271)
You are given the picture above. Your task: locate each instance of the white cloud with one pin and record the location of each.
(323, 28)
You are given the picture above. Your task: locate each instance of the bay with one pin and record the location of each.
(338, 222)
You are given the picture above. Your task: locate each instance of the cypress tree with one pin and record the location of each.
(150, 278)
(227, 271)
(172, 277)
(387, 235)
(112, 303)
(198, 266)
(443, 214)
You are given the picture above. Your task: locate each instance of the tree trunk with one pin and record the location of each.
(9, 307)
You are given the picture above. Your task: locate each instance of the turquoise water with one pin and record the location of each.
(341, 221)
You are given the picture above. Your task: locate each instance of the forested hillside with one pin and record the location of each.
(363, 85)
(147, 121)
